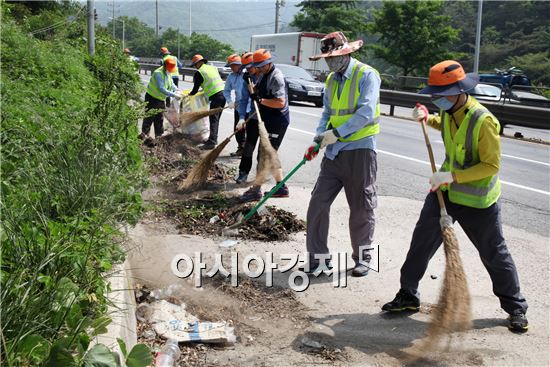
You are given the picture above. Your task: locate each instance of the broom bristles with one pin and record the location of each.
(269, 161)
(188, 117)
(452, 312)
(199, 174)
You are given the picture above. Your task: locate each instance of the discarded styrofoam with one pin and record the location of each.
(172, 322)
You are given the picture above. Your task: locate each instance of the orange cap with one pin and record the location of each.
(164, 50)
(261, 57)
(233, 60)
(170, 64)
(247, 58)
(448, 78)
(127, 50)
(196, 59)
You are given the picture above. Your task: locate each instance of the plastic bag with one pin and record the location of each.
(199, 130)
(172, 113)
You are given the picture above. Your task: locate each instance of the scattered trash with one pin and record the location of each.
(168, 355)
(228, 243)
(173, 322)
(171, 291)
(144, 312)
(214, 219)
(517, 134)
(311, 343)
(149, 334)
(433, 276)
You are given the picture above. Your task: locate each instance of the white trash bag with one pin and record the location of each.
(198, 131)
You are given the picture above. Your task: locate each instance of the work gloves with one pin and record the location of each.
(440, 178)
(240, 125)
(325, 138)
(420, 112)
(177, 96)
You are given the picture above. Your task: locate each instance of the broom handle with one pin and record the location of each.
(432, 160)
(278, 186)
(251, 91)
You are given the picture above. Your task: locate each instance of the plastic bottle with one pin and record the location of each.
(168, 355)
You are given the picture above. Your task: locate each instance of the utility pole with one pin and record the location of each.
(91, 27)
(123, 36)
(114, 19)
(157, 18)
(278, 4)
(178, 43)
(478, 36)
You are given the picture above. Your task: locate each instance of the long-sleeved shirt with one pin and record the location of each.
(369, 87)
(197, 82)
(488, 144)
(160, 83)
(246, 104)
(234, 82)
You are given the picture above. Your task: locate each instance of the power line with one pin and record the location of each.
(236, 29)
(58, 24)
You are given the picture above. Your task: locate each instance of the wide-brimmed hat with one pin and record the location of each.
(197, 58)
(261, 57)
(336, 44)
(448, 78)
(170, 64)
(247, 60)
(233, 60)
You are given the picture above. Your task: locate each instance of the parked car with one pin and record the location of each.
(222, 69)
(486, 92)
(301, 85)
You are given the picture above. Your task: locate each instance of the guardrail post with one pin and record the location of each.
(392, 108)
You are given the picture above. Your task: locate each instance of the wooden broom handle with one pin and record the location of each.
(432, 160)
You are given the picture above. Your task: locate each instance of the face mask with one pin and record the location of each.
(443, 103)
(337, 63)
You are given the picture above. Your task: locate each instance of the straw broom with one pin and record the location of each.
(188, 117)
(452, 312)
(199, 174)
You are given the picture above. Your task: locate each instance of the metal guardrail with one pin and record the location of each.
(507, 114)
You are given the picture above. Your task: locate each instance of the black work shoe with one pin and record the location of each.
(243, 176)
(207, 146)
(403, 301)
(238, 153)
(517, 322)
(252, 194)
(149, 142)
(361, 269)
(142, 136)
(282, 192)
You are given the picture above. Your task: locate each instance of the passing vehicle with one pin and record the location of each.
(294, 48)
(301, 85)
(222, 69)
(486, 92)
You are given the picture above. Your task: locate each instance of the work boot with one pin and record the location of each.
(142, 136)
(517, 322)
(149, 142)
(238, 153)
(361, 269)
(243, 176)
(282, 192)
(207, 146)
(404, 300)
(252, 194)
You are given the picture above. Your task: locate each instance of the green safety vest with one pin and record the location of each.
(212, 82)
(175, 73)
(342, 108)
(462, 152)
(153, 89)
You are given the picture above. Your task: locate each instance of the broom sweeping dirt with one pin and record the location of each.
(452, 312)
(188, 117)
(199, 173)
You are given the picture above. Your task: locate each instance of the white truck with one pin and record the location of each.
(293, 48)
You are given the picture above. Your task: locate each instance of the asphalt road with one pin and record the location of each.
(403, 167)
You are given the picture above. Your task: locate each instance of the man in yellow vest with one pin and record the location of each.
(347, 129)
(469, 181)
(208, 78)
(159, 88)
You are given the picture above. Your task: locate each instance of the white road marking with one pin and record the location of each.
(305, 113)
(525, 159)
(428, 163)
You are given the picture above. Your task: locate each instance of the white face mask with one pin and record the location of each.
(338, 63)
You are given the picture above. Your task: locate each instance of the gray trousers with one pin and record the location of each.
(484, 228)
(355, 171)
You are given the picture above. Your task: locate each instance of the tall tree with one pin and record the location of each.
(413, 35)
(330, 16)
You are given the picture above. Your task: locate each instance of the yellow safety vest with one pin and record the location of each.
(175, 73)
(461, 152)
(212, 82)
(342, 108)
(153, 89)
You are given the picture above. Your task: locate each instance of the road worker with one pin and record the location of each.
(208, 78)
(347, 129)
(470, 185)
(234, 83)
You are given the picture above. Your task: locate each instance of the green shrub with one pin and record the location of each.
(71, 174)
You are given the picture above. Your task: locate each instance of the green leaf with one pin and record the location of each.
(99, 356)
(60, 356)
(122, 346)
(100, 325)
(140, 356)
(34, 347)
